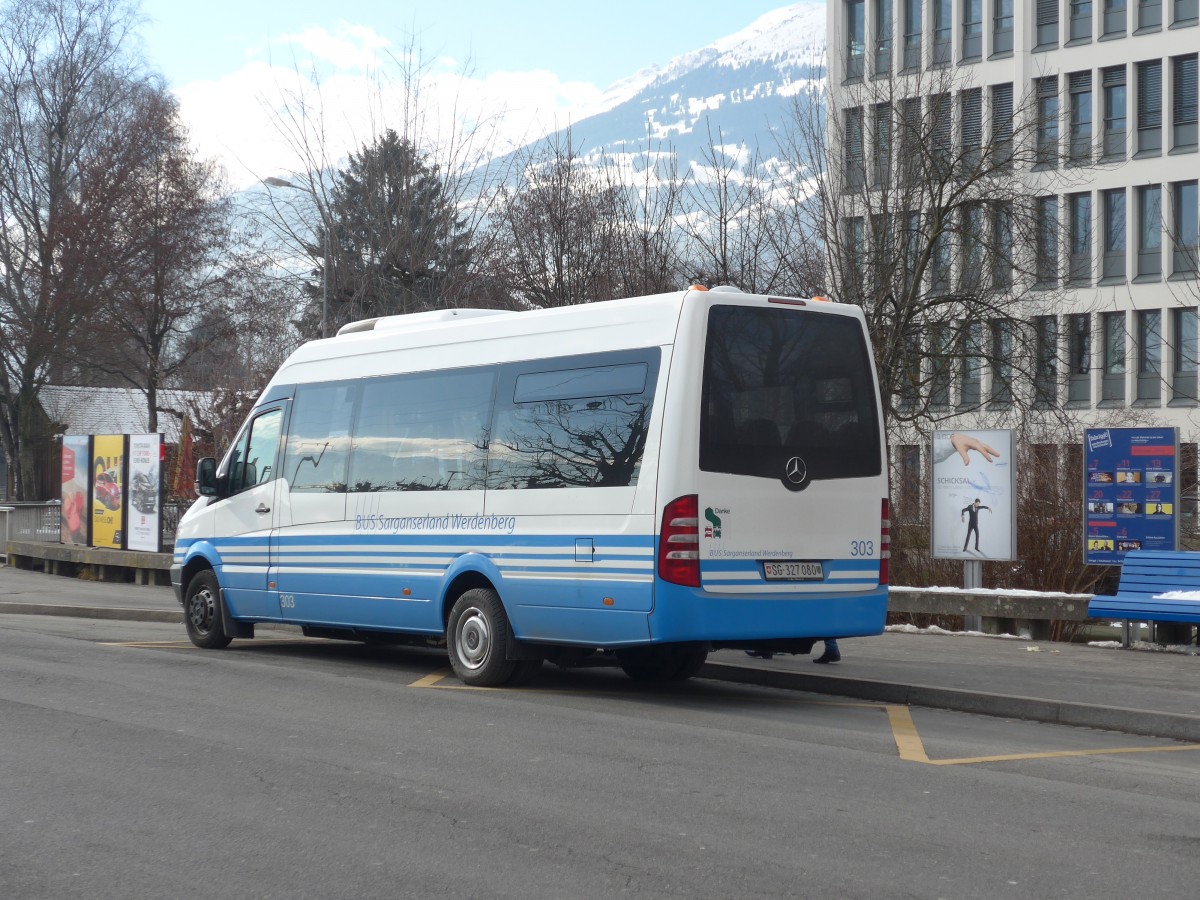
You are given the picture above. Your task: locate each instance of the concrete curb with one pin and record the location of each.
(126, 614)
(1060, 712)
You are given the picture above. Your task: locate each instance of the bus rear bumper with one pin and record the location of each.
(683, 614)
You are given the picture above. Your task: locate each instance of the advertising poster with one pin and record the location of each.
(143, 521)
(76, 458)
(108, 491)
(974, 495)
(1131, 492)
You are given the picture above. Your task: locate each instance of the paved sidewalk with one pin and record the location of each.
(1135, 691)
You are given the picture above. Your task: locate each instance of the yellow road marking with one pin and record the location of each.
(431, 679)
(912, 748)
(904, 732)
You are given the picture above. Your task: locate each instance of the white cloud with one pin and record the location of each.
(349, 83)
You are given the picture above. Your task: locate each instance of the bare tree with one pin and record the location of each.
(920, 188)
(181, 286)
(66, 85)
(741, 222)
(455, 172)
(580, 227)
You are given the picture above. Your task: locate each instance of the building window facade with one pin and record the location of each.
(1080, 137)
(1149, 250)
(854, 148)
(1047, 121)
(1149, 356)
(972, 30)
(1002, 27)
(883, 37)
(943, 32)
(1149, 108)
(1114, 235)
(1185, 12)
(1112, 387)
(1184, 107)
(1002, 244)
(1045, 372)
(1046, 242)
(1185, 230)
(1046, 34)
(1115, 112)
(856, 24)
(971, 383)
(971, 132)
(1081, 21)
(1114, 18)
(912, 35)
(1002, 125)
(1079, 237)
(881, 156)
(1002, 367)
(1079, 350)
(1183, 369)
(1149, 15)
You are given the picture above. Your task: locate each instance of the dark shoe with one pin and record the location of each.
(760, 654)
(828, 656)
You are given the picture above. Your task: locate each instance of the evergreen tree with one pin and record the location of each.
(398, 244)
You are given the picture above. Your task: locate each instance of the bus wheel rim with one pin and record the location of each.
(473, 638)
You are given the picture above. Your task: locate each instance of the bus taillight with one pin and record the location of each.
(885, 542)
(679, 542)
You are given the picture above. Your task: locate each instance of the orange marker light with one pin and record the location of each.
(407, 592)
(608, 601)
(699, 287)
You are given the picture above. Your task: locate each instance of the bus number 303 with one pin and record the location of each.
(862, 548)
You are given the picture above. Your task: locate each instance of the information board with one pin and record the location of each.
(108, 491)
(1131, 492)
(143, 517)
(76, 487)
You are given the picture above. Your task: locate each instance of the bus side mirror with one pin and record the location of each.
(206, 478)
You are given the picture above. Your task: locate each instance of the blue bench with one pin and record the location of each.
(1145, 576)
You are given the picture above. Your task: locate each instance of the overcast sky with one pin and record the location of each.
(541, 62)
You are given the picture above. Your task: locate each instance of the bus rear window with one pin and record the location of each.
(780, 383)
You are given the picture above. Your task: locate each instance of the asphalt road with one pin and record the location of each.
(132, 766)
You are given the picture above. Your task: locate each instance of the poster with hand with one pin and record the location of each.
(974, 495)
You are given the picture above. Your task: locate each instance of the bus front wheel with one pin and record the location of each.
(202, 612)
(476, 636)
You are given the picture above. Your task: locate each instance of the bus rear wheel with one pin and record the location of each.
(674, 662)
(476, 638)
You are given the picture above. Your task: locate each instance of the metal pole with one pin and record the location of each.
(325, 285)
(972, 579)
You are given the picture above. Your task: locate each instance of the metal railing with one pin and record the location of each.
(42, 522)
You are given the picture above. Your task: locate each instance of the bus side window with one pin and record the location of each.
(257, 466)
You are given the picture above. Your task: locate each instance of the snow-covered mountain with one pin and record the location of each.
(740, 87)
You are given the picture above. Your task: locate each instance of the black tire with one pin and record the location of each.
(692, 661)
(202, 612)
(525, 671)
(673, 662)
(476, 639)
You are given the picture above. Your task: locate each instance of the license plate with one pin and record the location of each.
(794, 571)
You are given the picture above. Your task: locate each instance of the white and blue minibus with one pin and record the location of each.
(641, 481)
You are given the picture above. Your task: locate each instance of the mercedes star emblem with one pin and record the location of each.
(795, 471)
